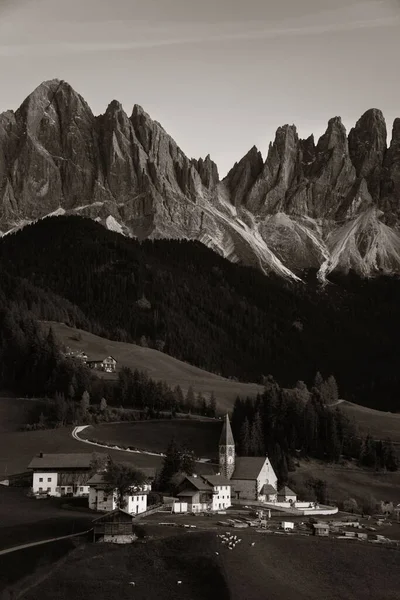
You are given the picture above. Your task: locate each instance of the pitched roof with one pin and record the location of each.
(98, 479)
(91, 359)
(267, 488)
(198, 483)
(113, 512)
(185, 493)
(226, 438)
(286, 491)
(217, 480)
(248, 467)
(62, 461)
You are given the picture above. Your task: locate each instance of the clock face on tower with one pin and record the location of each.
(230, 460)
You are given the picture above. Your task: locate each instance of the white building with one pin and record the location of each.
(204, 493)
(252, 477)
(61, 474)
(103, 500)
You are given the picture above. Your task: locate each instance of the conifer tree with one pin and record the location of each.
(245, 438)
(85, 402)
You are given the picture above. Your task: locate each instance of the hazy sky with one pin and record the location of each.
(219, 75)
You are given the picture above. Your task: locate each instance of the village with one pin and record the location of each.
(240, 493)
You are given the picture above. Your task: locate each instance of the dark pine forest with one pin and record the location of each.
(184, 299)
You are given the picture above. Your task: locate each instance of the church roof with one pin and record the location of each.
(267, 488)
(226, 438)
(248, 467)
(286, 491)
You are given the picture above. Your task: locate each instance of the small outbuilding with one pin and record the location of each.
(321, 529)
(115, 527)
(285, 494)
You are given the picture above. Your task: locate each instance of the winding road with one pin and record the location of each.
(79, 428)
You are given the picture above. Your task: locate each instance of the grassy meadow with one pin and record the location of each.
(276, 567)
(159, 366)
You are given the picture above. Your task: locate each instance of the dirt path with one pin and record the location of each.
(21, 547)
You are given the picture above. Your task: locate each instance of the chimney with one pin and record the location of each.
(40, 454)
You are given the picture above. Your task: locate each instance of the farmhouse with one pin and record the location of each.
(104, 500)
(252, 477)
(107, 364)
(205, 493)
(61, 474)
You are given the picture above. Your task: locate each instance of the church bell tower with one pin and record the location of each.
(227, 450)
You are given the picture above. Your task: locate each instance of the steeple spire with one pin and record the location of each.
(227, 449)
(226, 438)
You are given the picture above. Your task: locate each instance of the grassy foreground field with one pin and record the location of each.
(276, 567)
(158, 365)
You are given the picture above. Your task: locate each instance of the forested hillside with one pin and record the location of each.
(186, 300)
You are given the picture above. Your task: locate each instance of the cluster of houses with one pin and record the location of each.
(108, 364)
(241, 480)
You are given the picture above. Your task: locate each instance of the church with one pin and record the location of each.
(251, 477)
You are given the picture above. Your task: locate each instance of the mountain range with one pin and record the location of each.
(326, 206)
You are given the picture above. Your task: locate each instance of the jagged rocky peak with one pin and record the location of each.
(389, 200)
(367, 147)
(243, 175)
(334, 138)
(52, 99)
(208, 171)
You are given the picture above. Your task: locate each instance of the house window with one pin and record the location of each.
(69, 489)
(40, 489)
(49, 489)
(40, 479)
(49, 479)
(81, 489)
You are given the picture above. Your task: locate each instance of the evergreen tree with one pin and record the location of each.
(171, 464)
(190, 399)
(257, 447)
(212, 408)
(245, 439)
(368, 456)
(85, 402)
(61, 408)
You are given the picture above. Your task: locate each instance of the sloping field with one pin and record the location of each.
(350, 482)
(158, 365)
(15, 412)
(276, 567)
(154, 436)
(18, 448)
(379, 424)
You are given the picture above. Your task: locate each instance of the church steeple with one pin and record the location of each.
(227, 450)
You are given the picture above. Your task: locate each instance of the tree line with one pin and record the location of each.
(290, 424)
(183, 299)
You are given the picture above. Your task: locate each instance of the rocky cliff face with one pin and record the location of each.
(330, 205)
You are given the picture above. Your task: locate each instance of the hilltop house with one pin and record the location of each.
(104, 500)
(107, 364)
(205, 493)
(61, 474)
(251, 477)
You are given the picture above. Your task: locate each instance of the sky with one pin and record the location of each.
(219, 75)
